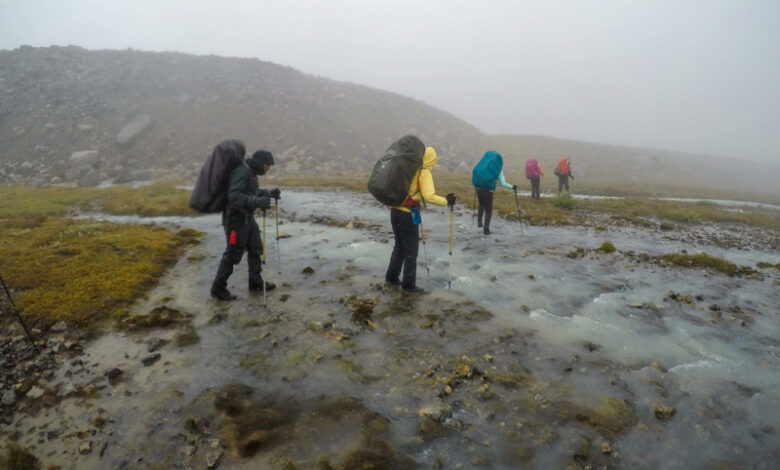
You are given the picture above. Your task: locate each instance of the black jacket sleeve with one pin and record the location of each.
(237, 195)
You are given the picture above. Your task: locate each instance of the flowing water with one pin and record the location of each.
(532, 359)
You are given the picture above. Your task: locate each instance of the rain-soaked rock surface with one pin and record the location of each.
(533, 359)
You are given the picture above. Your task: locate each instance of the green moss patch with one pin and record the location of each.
(610, 418)
(18, 458)
(161, 198)
(701, 260)
(159, 317)
(607, 247)
(83, 270)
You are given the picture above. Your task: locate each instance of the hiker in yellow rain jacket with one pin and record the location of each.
(405, 229)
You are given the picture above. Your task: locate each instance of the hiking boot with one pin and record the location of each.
(413, 290)
(479, 224)
(392, 282)
(223, 294)
(486, 231)
(258, 286)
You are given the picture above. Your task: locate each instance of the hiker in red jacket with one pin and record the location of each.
(563, 172)
(533, 172)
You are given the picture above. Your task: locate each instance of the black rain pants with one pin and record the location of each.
(407, 241)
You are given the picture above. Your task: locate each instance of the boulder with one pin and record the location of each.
(84, 158)
(89, 179)
(74, 174)
(131, 131)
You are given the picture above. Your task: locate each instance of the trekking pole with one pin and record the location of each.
(263, 241)
(519, 216)
(263, 259)
(425, 252)
(449, 266)
(18, 315)
(278, 252)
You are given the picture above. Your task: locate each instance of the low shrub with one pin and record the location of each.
(565, 200)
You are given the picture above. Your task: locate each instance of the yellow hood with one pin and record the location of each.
(429, 158)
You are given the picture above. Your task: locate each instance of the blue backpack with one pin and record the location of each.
(486, 172)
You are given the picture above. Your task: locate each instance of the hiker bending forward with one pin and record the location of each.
(241, 230)
(484, 176)
(563, 172)
(405, 231)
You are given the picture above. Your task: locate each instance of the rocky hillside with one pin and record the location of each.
(72, 115)
(68, 114)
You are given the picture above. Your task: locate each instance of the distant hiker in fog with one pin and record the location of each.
(483, 177)
(534, 173)
(241, 230)
(563, 172)
(406, 230)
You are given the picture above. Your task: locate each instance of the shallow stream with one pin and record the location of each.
(539, 356)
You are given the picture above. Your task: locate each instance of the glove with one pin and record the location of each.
(275, 193)
(261, 202)
(451, 199)
(514, 187)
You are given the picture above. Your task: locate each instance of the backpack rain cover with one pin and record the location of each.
(532, 169)
(486, 172)
(393, 172)
(210, 192)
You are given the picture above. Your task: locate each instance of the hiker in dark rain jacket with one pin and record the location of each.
(241, 230)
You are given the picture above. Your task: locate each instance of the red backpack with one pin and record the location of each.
(532, 169)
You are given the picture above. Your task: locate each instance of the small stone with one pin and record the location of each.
(149, 360)
(113, 374)
(156, 344)
(637, 305)
(606, 448)
(488, 357)
(85, 448)
(9, 397)
(308, 270)
(437, 411)
(36, 392)
(59, 327)
(213, 458)
(663, 412)
(198, 425)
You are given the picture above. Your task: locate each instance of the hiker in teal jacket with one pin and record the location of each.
(484, 177)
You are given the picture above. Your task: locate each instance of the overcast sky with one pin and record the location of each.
(701, 76)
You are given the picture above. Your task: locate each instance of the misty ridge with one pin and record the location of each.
(72, 115)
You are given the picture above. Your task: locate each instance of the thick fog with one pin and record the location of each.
(697, 76)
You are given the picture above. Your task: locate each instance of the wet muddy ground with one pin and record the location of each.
(545, 353)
